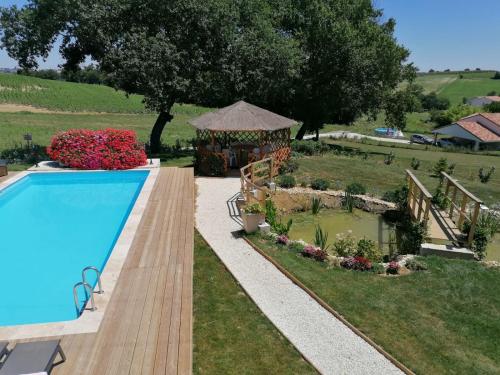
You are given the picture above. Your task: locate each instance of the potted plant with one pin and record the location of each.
(252, 215)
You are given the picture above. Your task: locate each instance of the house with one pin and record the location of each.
(480, 130)
(480, 101)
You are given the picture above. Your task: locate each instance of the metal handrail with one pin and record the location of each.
(88, 289)
(98, 273)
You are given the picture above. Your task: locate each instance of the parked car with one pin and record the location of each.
(446, 142)
(422, 139)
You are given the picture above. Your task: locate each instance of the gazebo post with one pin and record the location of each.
(212, 140)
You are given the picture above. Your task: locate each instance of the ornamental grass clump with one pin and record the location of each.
(97, 149)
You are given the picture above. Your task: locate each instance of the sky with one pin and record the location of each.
(441, 34)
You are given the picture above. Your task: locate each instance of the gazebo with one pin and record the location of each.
(239, 134)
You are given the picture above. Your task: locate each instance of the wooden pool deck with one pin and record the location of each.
(147, 327)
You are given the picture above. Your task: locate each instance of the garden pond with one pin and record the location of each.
(360, 223)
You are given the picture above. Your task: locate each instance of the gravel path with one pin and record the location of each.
(325, 341)
(351, 135)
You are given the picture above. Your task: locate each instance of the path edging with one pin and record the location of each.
(327, 307)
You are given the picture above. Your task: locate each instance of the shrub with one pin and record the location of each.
(378, 268)
(29, 154)
(415, 264)
(254, 208)
(321, 238)
(389, 158)
(452, 114)
(316, 253)
(320, 184)
(440, 166)
(289, 166)
(496, 75)
(368, 249)
(392, 268)
(357, 263)
(432, 101)
(484, 177)
(296, 247)
(486, 227)
(286, 181)
(413, 234)
(272, 218)
(356, 188)
(415, 164)
(439, 199)
(309, 147)
(282, 240)
(344, 245)
(97, 149)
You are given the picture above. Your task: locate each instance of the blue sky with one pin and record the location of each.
(441, 34)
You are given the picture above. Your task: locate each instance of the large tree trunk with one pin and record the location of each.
(155, 138)
(301, 132)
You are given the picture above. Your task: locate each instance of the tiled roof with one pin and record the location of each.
(479, 131)
(494, 98)
(493, 117)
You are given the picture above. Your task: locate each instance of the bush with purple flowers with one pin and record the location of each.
(282, 239)
(356, 263)
(314, 252)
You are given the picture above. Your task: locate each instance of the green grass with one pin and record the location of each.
(66, 96)
(379, 178)
(44, 125)
(442, 321)
(231, 335)
(451, 86)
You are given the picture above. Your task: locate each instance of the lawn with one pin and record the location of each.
(378, 177)
(442, 321)
(44, 125)
(231, 335)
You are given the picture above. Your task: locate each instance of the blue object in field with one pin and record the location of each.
(53, 225)
(388, 132)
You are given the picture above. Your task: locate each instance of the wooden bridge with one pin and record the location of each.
(444, 226)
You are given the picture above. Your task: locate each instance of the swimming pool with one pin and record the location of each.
(52, 226)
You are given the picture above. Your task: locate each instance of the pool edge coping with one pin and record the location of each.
(89, 321)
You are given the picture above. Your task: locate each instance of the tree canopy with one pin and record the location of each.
(317, 61)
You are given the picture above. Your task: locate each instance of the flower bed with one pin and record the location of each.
(97, 149)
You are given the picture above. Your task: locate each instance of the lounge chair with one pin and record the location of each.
(32, 358)
(3, 351)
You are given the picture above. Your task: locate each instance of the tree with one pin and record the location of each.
(493, 107)
(399, 103)
(172, 51)
(451, 115)
(496, 75)
(351, 60)
(318, 61)
(432, 101)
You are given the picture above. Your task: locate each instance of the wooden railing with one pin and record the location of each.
(253, 178)
(419, 198)
(452, 191)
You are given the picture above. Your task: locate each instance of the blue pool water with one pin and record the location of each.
(52, 226)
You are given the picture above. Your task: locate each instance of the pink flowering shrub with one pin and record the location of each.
(393, 268)
(314, 252)
(97, 149)
(357, 263)
(282, 239)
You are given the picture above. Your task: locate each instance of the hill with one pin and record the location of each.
(66, 96)
(457, 85)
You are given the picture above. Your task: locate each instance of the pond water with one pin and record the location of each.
(361, 223)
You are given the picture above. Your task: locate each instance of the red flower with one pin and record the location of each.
(97, 149)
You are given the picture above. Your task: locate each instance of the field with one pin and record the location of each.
(442, 321)
(451, 86)
(231, 335)
(66, 96)
(350, 166)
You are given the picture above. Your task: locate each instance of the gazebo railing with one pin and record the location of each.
(253, 179)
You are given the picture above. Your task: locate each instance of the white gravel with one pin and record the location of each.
(351, 135)
(321, 338)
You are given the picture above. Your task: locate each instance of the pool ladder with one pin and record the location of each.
(87, 288)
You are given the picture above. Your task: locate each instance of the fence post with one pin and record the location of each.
(420, 208)
(462, 211)
(475, 215)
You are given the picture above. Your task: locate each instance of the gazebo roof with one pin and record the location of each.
(242, 116)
